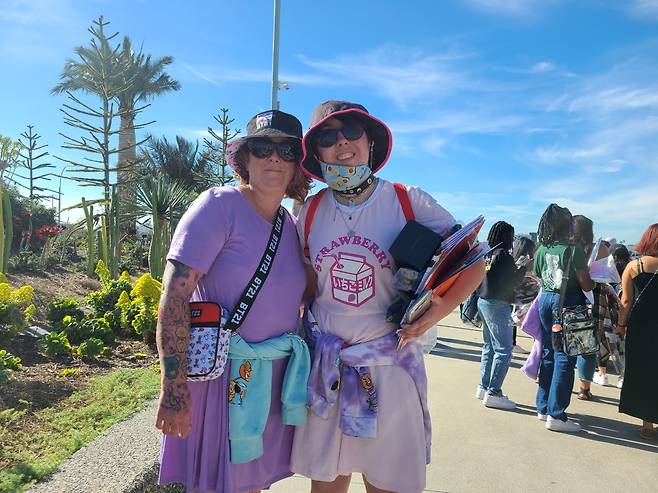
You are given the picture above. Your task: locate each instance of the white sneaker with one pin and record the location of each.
(620, 382)
(567, 426)
(541, 417)
(498, 402)
(600, 379)
(519, 350)
(480, 393)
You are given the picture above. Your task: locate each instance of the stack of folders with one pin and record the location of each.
(457, 253)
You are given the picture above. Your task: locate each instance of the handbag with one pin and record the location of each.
(212, 326)
(468, 311)
(579, 331)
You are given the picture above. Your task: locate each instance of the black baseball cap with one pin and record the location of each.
(270, 123)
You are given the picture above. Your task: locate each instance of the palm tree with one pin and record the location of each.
(135, 78)
(144, 79)
(181, 162)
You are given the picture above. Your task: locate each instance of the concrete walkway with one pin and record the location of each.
(475, 449)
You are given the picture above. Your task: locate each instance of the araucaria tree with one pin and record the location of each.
(219, 173)
(99, 70)
(35, 172)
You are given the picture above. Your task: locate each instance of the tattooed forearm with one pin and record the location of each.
(171, 366)
(178, 284)
(176, 396)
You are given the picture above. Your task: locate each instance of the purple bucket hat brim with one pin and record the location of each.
(379, 133)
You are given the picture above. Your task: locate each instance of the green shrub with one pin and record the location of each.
(68, 372)
(72, 329)
(105, 300)
(61, 308)
(113, 318)
(55, 344)
(97, 328)
(26, 261)
(90, 349)
(12, 320)
(8, 360)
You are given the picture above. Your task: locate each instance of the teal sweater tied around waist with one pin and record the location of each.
(250, 390)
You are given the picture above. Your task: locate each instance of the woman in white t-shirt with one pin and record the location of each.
(347, 235)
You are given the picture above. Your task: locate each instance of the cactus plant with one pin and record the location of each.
(91, 252)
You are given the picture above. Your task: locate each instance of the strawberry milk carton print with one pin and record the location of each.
(352, 279)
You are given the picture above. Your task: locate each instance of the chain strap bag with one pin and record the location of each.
(212, 325)
(579, 331)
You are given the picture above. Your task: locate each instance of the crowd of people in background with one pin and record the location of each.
(523, 289)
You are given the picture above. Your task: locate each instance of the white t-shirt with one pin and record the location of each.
(355, 272)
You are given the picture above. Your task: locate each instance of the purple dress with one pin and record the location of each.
(222, 236)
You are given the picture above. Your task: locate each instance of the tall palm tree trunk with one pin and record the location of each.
(126, 156)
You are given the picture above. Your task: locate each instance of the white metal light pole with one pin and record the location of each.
(275, 55)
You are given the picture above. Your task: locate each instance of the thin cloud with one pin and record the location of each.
(644, 9)
(400, 74)
(461, 123)
(518, 9)
(542, 67)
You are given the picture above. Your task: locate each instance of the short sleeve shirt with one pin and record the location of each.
(550, 264)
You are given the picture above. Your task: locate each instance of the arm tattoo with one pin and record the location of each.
(171, 365)
(172, 336)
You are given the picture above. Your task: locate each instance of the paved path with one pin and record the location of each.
(475, 449)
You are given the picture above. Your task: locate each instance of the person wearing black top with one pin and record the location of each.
(495, 308)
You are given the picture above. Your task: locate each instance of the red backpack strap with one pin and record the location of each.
(310, 214)
(403, 197)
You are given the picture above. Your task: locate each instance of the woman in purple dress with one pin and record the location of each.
(215, 251)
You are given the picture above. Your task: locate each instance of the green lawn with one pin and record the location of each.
(33, 444)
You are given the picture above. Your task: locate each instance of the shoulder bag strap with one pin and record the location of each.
(248, 296)
(565, 281)
(405, 203)
(637, 298)
(310, 214)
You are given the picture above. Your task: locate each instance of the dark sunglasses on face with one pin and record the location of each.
(288, 151)
(328, 137)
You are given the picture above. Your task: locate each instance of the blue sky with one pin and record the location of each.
(497, 107)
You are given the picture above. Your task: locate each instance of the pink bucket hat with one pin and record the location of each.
(377, 130)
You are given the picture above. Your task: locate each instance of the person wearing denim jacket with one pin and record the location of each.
(495, 308)
(556, 374)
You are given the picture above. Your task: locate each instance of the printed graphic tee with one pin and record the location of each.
(550, 263)
(349, 251)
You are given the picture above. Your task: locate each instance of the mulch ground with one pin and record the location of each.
(40, 383)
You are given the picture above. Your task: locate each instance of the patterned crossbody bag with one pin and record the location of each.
(579, 330)
(212, 326)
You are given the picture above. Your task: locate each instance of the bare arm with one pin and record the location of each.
(441, 306)
(585, 281)
(172, 337)
(627, 294)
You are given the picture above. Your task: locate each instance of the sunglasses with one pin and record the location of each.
(288, 151)
(328, 137)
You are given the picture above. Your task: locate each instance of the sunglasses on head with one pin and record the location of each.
(287, 150)
(328, 137)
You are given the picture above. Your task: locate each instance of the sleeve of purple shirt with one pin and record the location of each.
(202, 231)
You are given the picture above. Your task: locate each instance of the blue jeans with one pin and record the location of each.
(497, 348)
(556, 374)
(586, 364)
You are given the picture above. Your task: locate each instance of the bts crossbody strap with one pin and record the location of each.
(212, 326)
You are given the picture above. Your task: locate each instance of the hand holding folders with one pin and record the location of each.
(436, 273)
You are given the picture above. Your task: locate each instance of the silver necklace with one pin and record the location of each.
(352, 227)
